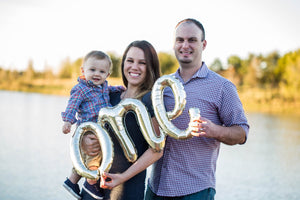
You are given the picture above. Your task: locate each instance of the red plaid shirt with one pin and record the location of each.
(86, 100)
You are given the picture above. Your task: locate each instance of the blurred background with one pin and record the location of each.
(255, 44)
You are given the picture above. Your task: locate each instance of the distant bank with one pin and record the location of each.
(253, 99)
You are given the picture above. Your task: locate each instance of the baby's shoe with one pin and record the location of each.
(72, 188)
(94, 190)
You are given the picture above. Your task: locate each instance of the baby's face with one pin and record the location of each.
(96, 70)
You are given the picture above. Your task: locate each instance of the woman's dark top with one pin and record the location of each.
(134, 188)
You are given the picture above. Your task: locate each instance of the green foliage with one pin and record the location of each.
(65, 69)
(217, 65)
(69, 69)
(116, 64)
(76, 68)
(288, 71)
(254, 76)
(235, 62)
(269, 76)
(252, 71)
(168, 63)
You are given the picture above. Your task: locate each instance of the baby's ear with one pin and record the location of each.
(82, 70)
(108, 74)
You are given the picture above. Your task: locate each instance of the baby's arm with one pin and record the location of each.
(118, 88)
(72, 108)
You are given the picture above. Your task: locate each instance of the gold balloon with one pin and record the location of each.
(106, 147)
(164, 117)
(114, 116)
(157, 96)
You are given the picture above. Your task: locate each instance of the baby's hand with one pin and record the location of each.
(66, 127)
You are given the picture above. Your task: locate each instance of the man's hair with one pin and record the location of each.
(194, 21)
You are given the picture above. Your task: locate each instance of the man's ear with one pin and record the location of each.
(204, 44)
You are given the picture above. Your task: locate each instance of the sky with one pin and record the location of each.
(50, 31)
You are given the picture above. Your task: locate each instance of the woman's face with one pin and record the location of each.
(135, 66)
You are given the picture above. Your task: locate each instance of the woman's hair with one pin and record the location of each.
(152, 66)
(99, 55)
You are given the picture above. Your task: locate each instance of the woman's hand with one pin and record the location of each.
(90, 145)
(109, 181)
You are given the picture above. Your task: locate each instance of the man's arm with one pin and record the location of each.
(228, 135)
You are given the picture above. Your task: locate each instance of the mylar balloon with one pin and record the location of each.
(114, 116)
(106, 147)
(164, 118)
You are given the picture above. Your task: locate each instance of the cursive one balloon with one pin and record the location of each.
(164, 118)
(114, 116)
(106, 147)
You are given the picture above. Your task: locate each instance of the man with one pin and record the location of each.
(188, 167)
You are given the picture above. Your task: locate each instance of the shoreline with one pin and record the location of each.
(253, 99)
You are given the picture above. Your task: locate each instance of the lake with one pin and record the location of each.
(34, 153)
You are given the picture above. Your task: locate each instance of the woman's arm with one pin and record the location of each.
(108, 180)
(148, 158)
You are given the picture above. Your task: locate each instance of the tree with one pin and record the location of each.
(66, 69)
(29, 73)
(3, 76)
(270, 62)
(168, 63)
(236, 63)
(252, 71)
(288, 69)
(216, 65)
(76, 68)
(116, 64)
(48, 72)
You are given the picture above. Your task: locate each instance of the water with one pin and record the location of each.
(34, 154)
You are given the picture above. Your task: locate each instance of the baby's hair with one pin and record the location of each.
(100, 56)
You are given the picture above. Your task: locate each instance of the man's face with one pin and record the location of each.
(188, 46)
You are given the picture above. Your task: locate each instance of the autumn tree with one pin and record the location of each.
(65, 69)
(29, 73)
(252, 70)
(288, 69)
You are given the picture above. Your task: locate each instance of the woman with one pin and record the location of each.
(140, 69)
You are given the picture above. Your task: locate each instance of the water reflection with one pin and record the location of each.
(36, 153)
(267, 166)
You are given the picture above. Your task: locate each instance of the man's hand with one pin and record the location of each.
(203, 128)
